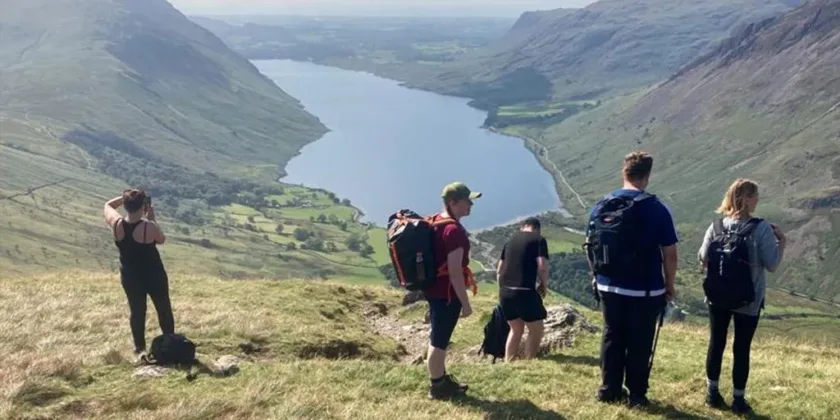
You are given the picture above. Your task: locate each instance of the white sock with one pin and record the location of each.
(712, 384)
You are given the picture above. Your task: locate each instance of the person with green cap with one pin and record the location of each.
(447, 297)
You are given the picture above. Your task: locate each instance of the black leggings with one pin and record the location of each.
(136, 289)
(745, 326)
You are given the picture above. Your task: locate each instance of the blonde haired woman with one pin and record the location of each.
(766, 245)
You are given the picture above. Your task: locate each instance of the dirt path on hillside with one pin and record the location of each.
(563, 324)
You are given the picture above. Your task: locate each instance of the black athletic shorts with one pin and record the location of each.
(443, 317)
(526, 305)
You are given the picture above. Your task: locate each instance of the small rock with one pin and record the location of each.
(149, 372)
(226, 365)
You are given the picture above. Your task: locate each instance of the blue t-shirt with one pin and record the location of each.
(658, 230)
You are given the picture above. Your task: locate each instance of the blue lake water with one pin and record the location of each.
(391, 147)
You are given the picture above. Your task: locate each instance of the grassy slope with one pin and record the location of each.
(43, 232)
(104, 103)
(78, 366)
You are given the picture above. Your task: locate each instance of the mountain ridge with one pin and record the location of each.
(609, 47)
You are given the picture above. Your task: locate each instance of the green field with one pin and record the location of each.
(298, 341)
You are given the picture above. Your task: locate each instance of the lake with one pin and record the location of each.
(391, 147)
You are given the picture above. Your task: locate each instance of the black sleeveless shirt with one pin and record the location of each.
(136, 257)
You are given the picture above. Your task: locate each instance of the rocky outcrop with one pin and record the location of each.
(563, 324)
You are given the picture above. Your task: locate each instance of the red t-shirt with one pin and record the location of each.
(448, 238)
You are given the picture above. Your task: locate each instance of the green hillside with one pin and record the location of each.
(308, 351)
(99, 95)
(743, 110)
(404, 48)
(608, 47)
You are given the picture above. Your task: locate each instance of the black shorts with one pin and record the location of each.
(526, 305)
(443, 317)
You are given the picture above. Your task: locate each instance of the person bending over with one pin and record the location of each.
(136, 236)
(524, 258)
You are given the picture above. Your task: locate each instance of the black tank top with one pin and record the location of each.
(136, 257)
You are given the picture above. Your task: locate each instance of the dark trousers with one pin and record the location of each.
(627, 342)
(745, 326)
(137, 287)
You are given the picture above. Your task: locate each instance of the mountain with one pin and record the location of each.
(608, 47)
(144, 72)
(763, 104)
(97, 95)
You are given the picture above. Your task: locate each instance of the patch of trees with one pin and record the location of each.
(203, 242)
(331, 219)
(358, 244)
(569, 275)
(520, 85)
(538, 117)
(180, 192)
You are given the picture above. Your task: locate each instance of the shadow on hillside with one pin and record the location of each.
(578, 360)
(667, 411)
(498, 410)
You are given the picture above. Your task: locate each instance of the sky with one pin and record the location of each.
(510, 8)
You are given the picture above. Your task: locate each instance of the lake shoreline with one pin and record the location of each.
(546, 198)
(562, 186)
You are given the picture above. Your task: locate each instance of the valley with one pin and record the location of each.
(644, 94)
(258, 141)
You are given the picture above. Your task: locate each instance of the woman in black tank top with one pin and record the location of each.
(141, 270)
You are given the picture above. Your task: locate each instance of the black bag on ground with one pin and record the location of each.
(411, 239)
(495, 335)
(612, 235)
(728, 283)
(172, 349)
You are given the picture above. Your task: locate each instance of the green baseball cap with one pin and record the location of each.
(458, 191)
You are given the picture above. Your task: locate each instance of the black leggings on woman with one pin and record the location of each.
(745, 326)
(136, 289)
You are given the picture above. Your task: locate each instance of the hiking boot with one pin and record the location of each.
(607, 397)
(740, 406)
(638, 401)
(445, 388)
(714, 399)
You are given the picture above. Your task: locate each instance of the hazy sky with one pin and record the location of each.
(374, 7)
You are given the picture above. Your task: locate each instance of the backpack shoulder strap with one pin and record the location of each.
(643, 196)
(440, 222)
(750, 226)
(717, 226)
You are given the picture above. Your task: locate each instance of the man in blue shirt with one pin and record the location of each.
(633, 279)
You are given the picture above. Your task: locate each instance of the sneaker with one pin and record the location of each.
(638, 401)
(740, 406)
(447, 387)
(140, 357)
(714, 399)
